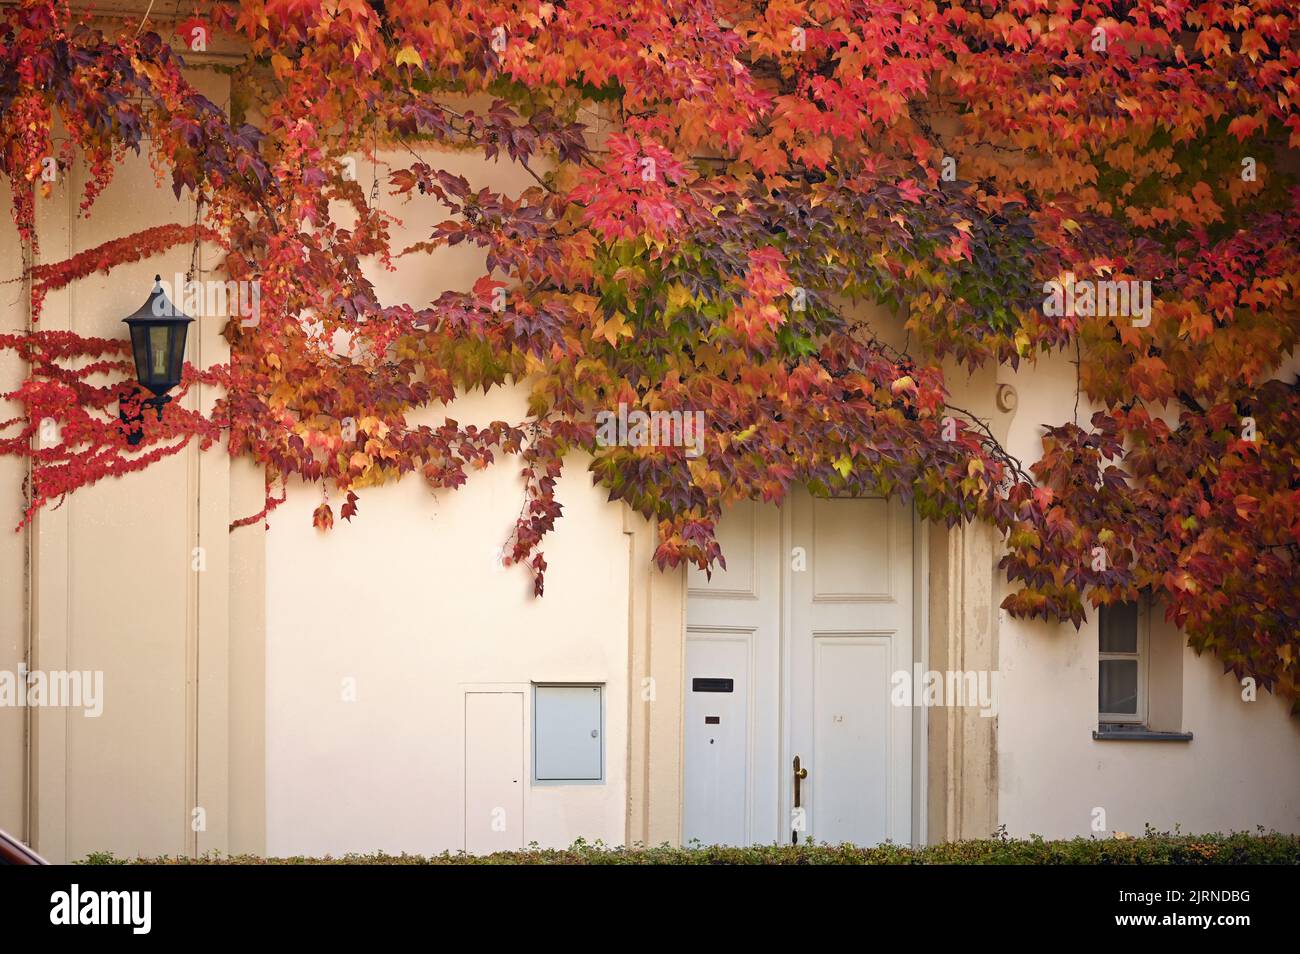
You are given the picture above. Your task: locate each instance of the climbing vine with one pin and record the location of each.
(715, 188)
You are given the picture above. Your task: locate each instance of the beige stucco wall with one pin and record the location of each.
(1241, 769)
(409, 601)
(114, 584)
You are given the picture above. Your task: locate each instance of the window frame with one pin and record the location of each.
(1140, 716)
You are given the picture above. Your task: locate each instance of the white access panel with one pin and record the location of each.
(568, 734)
(717, 738)
(494, 771)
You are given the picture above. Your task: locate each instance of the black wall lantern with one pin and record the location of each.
(158, 330)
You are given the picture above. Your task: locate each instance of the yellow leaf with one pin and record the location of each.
(613, 328)
(679, 296)
(583, 304)
(409, 54)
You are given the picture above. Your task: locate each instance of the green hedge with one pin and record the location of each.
(1151, 849)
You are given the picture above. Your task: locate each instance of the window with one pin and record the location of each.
(568, 734)
(1121, 682)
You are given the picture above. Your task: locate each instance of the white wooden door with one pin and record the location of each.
(732, 693)
(851, 626)
(494, 772)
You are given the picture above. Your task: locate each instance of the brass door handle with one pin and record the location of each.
(800, 774)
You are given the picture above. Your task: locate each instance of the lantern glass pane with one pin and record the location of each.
(140, 346)
(157, 353)
(177, 361)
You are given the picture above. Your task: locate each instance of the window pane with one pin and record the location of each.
(1117, 689)
(1119, 628)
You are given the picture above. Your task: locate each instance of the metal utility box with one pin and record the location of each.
(568, 733)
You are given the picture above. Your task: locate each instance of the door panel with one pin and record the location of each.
(854, 537)
(850, 754)
(494, 771)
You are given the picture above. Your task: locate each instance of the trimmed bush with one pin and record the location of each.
(1269, 848)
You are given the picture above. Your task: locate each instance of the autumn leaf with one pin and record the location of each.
(409, 56)
(322, 517)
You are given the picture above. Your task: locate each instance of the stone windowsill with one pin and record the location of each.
(1137, 733)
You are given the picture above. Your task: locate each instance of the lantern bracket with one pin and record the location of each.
(133, 424)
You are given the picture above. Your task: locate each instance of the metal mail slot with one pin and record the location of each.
(713, 685)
